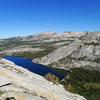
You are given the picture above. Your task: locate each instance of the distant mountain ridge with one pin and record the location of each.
(64, 51)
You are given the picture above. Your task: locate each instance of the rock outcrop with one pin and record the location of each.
(59, 53)
(22, 84)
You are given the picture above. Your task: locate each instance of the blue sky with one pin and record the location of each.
(25, 17)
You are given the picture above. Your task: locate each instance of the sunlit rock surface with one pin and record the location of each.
(22, 84)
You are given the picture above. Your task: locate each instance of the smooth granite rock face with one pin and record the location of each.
(25, 85)
(59, 53)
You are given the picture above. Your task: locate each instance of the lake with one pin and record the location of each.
(33, 67)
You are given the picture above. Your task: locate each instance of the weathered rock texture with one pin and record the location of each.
(25, 85)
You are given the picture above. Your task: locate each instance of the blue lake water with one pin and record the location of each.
(33, 67)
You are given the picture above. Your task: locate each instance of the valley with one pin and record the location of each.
(63, 51)
(70, 54)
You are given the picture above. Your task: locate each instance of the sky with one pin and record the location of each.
(25, 17)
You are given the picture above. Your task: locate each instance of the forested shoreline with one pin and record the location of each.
(80, 81)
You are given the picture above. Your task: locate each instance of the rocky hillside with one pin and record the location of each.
(21, 84)
(64, 51)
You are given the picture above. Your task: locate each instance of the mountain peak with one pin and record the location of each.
(48, 32)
